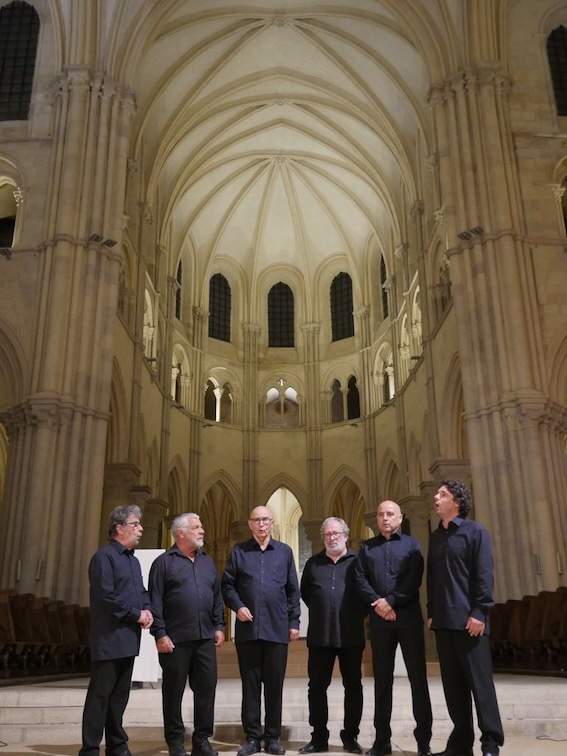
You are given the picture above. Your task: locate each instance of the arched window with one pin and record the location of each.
(219, 308)
(353, 399)
(179, 290)
(8, 211)
(342, 318)
(281, 316)
(210, 402)
(383, 287)
(19, 31)
(557, 57)
(282, 406)
(337, 404)
(226, 404)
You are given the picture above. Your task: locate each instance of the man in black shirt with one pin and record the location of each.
(260, 585)
(188, 626)
(388, 576)
(460, 582)
(336, 630)
(120, 608)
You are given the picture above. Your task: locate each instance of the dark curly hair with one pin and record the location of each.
(461, 493)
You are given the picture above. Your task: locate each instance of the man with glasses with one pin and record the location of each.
(388, 573)
(336, 630)
(120, 608)
(260, 584)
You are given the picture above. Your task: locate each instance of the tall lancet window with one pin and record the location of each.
(19, 31)
(342, 318)
(281, 316)
(219, 308)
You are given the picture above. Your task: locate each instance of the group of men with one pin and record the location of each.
(183, 608)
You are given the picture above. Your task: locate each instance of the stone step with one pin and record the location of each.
(51, 712)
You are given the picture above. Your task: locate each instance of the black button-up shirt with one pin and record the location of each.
(460, 575)
(265, 581)
(117, 598)
(391, 569)
(336, 613)
(186, 597)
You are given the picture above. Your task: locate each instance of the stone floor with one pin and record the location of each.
(45, 719)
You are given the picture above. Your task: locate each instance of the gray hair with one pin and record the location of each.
(120, 515)
(342, 523)
(180, 522)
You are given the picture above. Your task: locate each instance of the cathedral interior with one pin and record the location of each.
(308, 254)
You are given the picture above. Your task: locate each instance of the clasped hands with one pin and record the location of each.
(383, 609)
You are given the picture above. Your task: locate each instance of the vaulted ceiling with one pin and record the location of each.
(281, 132)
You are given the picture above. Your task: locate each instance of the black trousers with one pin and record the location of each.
(262, 662)
(195, 661)
(320, 670)
(384, 642)
(466, 672)
(107, 696)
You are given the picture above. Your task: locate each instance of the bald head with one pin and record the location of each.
(388, 517)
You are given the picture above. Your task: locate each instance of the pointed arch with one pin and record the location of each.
(389, 475)
(177, 486)
(119, 418)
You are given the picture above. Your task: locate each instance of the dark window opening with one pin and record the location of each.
(7, 226)
(342, 318)
(19, 31)
(281, 316)
(353, 399)
(383, 279)
(179, 279)
(219, 308)
(557, 57)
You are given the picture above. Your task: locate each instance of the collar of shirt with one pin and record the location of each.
(121, 548)
(177, 551)
(349, 553)
(394, 537)
(454, 523)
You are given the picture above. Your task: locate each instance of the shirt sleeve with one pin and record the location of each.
(293, 594)
(156, 584)
(305, 587)
(229, 582)
(363, 587)
(482, 577)
(102, 575)
(218, 608)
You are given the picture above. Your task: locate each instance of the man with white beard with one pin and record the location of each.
(336, 630)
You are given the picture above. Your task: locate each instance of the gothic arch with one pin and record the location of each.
(557, 362)
(389, 476)
(282, 480)
(344, 497)
(177, 487)
(222, 481)
(119, 418)
(451, 422)
(13, 368)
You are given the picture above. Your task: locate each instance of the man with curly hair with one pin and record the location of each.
(460, 582)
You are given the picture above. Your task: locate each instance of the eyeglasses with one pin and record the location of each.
(334, 534)
(136, 524)
(261, 520)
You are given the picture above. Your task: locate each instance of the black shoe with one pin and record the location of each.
(424, 751)
(247, 749)
(452, 752)
(380, 749)
(203, 748)
(351, 745)
(274, 747)
(314, 747)
(178, 751)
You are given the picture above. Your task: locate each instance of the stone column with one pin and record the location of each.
(58, 434)
(516, 487)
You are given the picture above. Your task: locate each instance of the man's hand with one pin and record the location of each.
(293, 634)
(219, 638)
(146, 619)
(474, 626)
(244, 614)
(165, 645)
(382, 608)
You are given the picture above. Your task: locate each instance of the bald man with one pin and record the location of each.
(388, 575)
(260, 585)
